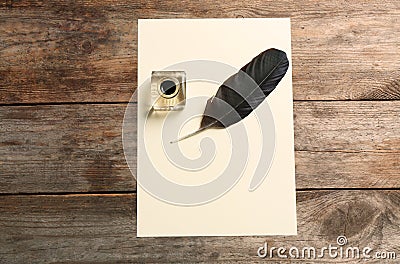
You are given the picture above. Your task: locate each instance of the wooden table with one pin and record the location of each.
(68, 68)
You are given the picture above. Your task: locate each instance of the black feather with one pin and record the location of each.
(244, 91)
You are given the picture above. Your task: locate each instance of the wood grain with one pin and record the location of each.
(347, 126)
(102, 229)
(347, 169)
(78, 148)
(85, 51)
(63, 148)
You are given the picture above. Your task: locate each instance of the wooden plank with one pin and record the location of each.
(347, 169)
(102, 229)
(65, 54)
(347, 144)
(74, 148)
(347, 126)
(86, 51)
(63, 148)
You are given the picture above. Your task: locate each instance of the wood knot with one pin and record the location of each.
(87, 46)
(349, 219)
(388, 90)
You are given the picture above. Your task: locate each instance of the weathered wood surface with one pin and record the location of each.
(85, 51)
(102, 229)
(63, 148)
(74, 148)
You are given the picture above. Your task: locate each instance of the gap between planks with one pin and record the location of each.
(125, 102)
(122, 193)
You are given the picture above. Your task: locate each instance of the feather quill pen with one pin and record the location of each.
(244, 91)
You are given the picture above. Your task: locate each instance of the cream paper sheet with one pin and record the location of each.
(268, 210)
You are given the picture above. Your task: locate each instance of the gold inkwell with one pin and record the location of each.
(168, 90)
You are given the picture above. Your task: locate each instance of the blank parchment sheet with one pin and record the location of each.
(235, 181)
